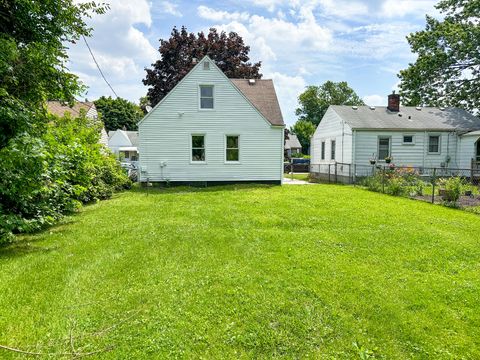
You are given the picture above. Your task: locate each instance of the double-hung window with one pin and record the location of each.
(383, 147)
(232, 148)
(323, 151)
(198, 148)
(434, 144)
(206, 97)
(332, 154)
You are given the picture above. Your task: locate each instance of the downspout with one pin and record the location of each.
(354, 145)
(424, 148)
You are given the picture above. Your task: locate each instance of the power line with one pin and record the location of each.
(98, 66)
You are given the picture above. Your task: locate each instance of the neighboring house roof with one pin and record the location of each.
(409, 118)
(262, 95)
(133, 136)
(292, 142)
(58, 108)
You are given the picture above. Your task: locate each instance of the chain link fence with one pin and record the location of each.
(422, 183)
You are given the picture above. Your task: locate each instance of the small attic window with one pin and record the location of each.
(206, 65)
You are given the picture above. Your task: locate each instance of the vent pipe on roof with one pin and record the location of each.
(354, 107)
(372, 107)
(251, 81)
(194, 60)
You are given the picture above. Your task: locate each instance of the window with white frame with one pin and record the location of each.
(383, 147)
(198, 148)
(434, 144)
(232, 148)
(323, 151)
(334, 145)
(206, 96)
(408, 139)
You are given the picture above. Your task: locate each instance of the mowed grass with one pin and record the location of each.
(318, 271)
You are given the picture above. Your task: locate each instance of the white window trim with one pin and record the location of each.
(389, 146)
(439, 144)
(225, 150)
(204, 147)
(408, 143)
(200, 97)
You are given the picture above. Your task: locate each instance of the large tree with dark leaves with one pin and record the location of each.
(447, 70)
(177, 53)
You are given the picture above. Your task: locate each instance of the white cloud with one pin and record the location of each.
(288, 89)
(121, 50)
(343, 9)
(375, 100)
(170, 8)
(216, 15)
(401, 8)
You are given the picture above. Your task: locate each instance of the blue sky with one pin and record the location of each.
(300, 42)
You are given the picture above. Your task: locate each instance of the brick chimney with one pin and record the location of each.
(393, 102)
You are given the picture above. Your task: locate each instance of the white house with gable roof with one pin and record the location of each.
(422, 137)
(210, 129)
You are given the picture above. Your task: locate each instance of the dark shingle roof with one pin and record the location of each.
(427, 118)
(263, 96)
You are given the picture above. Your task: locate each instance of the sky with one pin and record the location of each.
(300, 42)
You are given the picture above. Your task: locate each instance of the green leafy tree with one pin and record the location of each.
(33, 59)
(143, 102)
(177, 53)
(119, 113)
(304, 130)
(315, 100)
(447, 69)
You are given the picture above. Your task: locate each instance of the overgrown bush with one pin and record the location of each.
(453, 187)
(43, 178)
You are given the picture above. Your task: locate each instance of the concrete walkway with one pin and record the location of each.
(289, 181)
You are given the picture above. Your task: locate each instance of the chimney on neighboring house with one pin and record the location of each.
(393, 102)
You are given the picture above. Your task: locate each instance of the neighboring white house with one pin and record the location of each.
(124, 144)
(292, 145)
(413, 136)
(213, 129)
(60, 109)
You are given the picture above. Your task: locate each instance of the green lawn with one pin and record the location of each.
(300, 176)
(242, 271)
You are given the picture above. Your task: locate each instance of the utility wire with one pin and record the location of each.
(98, 66)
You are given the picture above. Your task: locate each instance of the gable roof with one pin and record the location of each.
(292, 142)
(133, 137)
(266, 99)
(59, 109)
(262, 95)
(409, 118)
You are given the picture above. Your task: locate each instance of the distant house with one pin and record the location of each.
(60, 109)
(124, 144)
(210, 128)
(413, 136)
(292, 145)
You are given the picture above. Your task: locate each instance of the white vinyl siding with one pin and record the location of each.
(366, 146)
(165, 135)
(332, 128)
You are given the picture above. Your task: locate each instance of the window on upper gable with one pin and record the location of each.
(206, 65)
(206, 97)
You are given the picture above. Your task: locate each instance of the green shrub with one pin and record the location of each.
(396, 186)
(48, 176)
(453, 189)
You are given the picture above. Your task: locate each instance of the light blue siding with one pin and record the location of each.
(165, 134)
